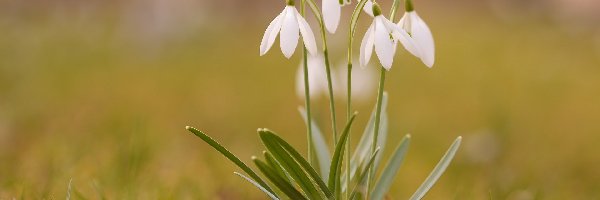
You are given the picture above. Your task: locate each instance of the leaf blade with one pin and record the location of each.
(278, 181)
(261, 188)
(363, 175)
(289, 164)
(229, 156)
(437, 171)
(321, 148)
(336, 161)
(391, 170)
(303, 163)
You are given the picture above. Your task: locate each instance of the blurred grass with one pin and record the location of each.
(83, 102)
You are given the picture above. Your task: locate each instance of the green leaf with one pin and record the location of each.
(284, 186)
(391, 169)
(305, 165)
(261, 188)
(229, 156)
(363, 174)
(437, 171)
(289, 164)
(276, 166)
(338, 156)
(363, 150)
(323, 153)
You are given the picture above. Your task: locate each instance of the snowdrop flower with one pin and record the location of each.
(419, 31)
(287, 24)
(382, 35)
(331, 14)
(332, 10)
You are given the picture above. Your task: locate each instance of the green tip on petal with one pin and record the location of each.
(290, 2)
(376, 9)
(409, 6)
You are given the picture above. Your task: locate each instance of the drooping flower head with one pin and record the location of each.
(332, 10)
(288, 24)
(419, 31)
(383, 35)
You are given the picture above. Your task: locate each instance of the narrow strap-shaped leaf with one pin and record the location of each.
(437, 171)
(229, 156)
(322, 150)
(391, 169)
(290, 165)
(261, 188)
(363, 174)
(276, 166)
(278, 181)
(363, 150)
(336, 161)
(305, 165)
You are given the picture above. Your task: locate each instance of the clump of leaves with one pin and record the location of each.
(290, 176)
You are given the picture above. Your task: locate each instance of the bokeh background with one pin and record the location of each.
(99, 92)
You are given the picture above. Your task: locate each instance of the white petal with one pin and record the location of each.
(384, 45)
(424, 40)
(408, 42)
(404, 22)
(307, 34)
(366, 46)
(288, 38)
(271, 33)
(331, 14)
(368, 8)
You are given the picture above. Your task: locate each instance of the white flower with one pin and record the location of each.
(331, 14)
(419, 31)
(289, 23)
(382, 35)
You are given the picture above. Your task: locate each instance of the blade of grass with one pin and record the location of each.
(305, 165)
(278, 181)
(321, 148)
(261, 188)
(336, 162)
(391, 170)
(290, 165)
(363, 175)
(229, 156)
(437, 171)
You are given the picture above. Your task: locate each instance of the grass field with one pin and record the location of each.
(81, 101)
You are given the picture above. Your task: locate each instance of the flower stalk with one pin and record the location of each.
(311, 149)
(322, 28)
(353, 22)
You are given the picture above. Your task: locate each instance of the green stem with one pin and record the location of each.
(377, 122)
(307, 97)
(353, 21)
(317, 13)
